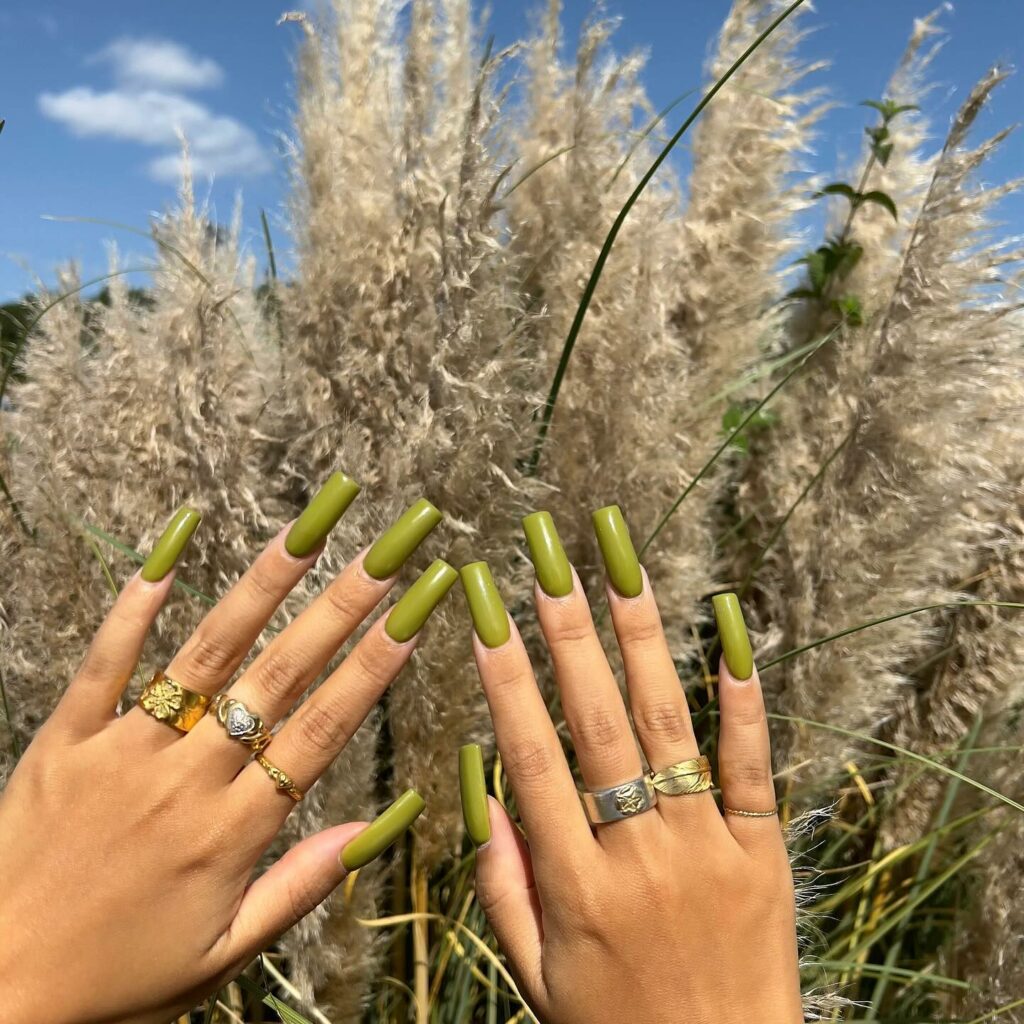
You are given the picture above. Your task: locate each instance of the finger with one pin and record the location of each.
(321, 728)
(656, 698)
(223, 639)
(91, 700)
(507, 893)
(744, 748)
(530, 749)
(286, 668)
(305, 876)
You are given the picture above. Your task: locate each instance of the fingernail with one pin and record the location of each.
(378, 836)
(617, 551)
(413, 609)
(554, 574)
(399, 541)
(485, 605)
(732, 631)
(321, 514)
(473, 786)
(167, 550)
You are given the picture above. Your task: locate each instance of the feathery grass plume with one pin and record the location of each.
(126, 412)
(405, 364)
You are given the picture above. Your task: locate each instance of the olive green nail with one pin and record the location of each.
(617, 551)
(321, 514)
(554, 574)
(473, 786)
(167, 550)
(732, 631)
(413, 609)
(378, 836)
(490, 620)
(399, 541)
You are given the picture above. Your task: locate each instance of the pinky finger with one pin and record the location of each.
(744, 749)
(91, 699)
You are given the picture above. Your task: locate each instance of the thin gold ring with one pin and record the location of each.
(683, 778)
(169, 702)
(751, 814)
(281, 779)
(240, 723)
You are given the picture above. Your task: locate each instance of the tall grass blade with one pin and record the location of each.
(606, 248)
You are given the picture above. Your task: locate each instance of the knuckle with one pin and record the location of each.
(571, 630)
(666, 719)
(642, 631)
(752, 772)
(264, 584)
(597, 729)
(379, 671)
(342, 603)
(209, 655)
(322, 723)
(529, 760)
(279, 674)
(303, 896)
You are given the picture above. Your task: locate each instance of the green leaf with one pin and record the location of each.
(850, 309)
(285, 1012)
(838, 188)
(739, 415)
(882, 153)
(882, 199)
(888, 108)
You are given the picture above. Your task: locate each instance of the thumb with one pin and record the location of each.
(293, 886)
(505, 890)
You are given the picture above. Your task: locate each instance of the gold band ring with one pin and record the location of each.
(751, 814)
(171, 703)
(683, 778)
(240, 723)
(281, 779)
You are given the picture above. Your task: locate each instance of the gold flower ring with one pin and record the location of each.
(171, 703)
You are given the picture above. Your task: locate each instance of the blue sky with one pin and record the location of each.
(92, 94)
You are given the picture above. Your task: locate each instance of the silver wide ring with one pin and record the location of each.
(618, 802)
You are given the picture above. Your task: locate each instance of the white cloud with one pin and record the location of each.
(159, 64)
(148, 107)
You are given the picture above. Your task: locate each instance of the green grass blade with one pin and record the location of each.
(536, 167)
(658, 118)
(269, 243)
(913, 755)
(707, 467)
(285, 1012)
(997, 1012)
(606, 248)
(883, 619)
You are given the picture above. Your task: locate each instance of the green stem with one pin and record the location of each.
(606, 248)
(706, 468)
(777, 532)
(15, 742)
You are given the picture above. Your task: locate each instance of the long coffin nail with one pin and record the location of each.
(733, 633)
(415, 606)
(473, 786)
(490, 620)
(167, 550)
(399, 541)
(554, 574)
(321, 515)
(617, 551)
(387, 829)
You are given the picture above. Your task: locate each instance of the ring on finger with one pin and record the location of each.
(618, 802)
(683, 778)
(751, 814)
(240, 723)
(281, 779)
(167, 701)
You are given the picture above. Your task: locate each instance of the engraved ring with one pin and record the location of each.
(683, 778)
(240, 723)
(171, 703)
(281, 779)
(618, 802)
